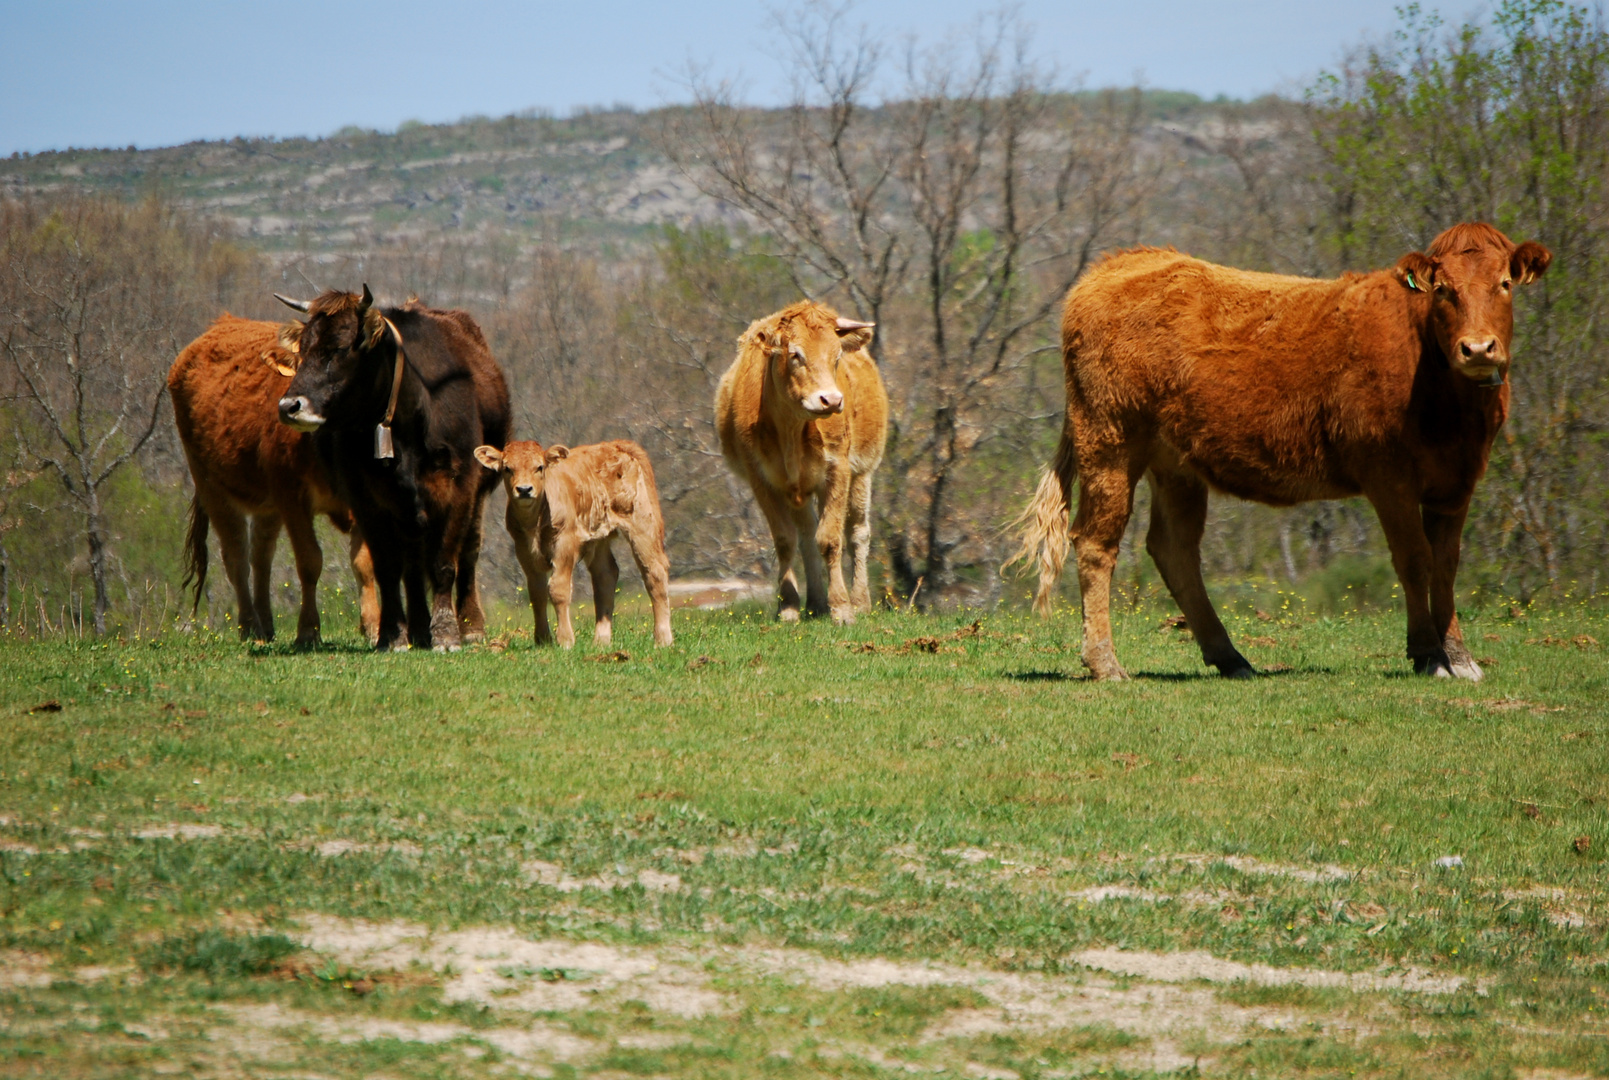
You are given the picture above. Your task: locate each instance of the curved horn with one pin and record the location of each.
(846, 325)
(296, 305)
(368, 300)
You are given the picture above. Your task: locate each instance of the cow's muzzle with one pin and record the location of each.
(299, 413)
(824, 403)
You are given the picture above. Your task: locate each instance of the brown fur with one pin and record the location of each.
(247, 465)
(567, 505)
(811, 473)
(1391, 385)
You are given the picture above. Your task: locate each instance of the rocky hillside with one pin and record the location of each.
(597, 179)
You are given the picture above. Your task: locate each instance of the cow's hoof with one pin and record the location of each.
(304, 642)
(1243, 670)
(1436, 666)
(1102, 663)
(474, 637)
(843, 616)
(393, 646)
(446, 648)
(1467, 669)
(788, 614)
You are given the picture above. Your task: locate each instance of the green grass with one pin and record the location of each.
(844, 792)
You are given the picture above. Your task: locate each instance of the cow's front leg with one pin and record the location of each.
(445, 635)
(1445, 533)
(1411, 555)
(413, 584)
(392, 629)
(804, 518)
(560, 584)
(786, 538)
(830, 540)
(368, 595)
(527, 550)
(859, 529)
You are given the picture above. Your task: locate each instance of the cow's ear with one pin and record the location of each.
(1529, 262)
(489, 456)
(767, 340)
(556, 452)
(373, 327)
(1417, 271)
(289, 341)
(854, 336)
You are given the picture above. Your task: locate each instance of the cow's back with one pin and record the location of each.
(602, 486)
(1248, 377)
(225, 404)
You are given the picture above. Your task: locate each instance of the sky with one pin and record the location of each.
(97, 73)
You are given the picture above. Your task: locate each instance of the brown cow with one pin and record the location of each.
(1390, 384)
(226, 386)
(803, 417)
(566, 505)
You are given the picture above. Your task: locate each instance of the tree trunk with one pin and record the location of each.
(95, 532)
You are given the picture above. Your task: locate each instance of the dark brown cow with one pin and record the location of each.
(1391, 385)
(398, 400)
(248, 466)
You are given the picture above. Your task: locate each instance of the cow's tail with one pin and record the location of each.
(195, 551)
(1044, 524)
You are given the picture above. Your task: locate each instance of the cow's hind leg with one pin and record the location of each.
(264, 538)
(859, 528)
(1178, 518)
(309, 565)
(368, 591)
(605, 574)
(654, 566)
(1445, 532)
(233, 537)
(1105, 500)
(471, 617)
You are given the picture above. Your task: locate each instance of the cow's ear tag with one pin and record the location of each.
(1412, 284)
(382, 443)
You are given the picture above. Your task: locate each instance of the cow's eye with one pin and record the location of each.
(1507, 284)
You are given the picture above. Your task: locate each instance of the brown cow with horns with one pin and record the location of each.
(1390, 384)
(252, 472)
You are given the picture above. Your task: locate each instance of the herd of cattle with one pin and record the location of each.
(395, 424)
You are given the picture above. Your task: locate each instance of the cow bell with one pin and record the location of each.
(382, 443)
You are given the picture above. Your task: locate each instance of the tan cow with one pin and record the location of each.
(803, 417)
(567, 505)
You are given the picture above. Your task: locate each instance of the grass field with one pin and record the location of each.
(918, 845)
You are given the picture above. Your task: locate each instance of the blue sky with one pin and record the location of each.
(87, 73)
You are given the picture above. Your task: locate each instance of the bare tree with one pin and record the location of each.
(96, 297)
(954, 216)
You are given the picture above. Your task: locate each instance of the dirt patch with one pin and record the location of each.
(178, 832)
(24, 969)
(535, 1040)
(1100, 894)
(1182, 967)
(552, 875)
(497, 966)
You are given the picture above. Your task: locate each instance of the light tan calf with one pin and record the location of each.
(567, 505)
(802, 413)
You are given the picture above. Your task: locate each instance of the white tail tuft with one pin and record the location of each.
(1044, 524)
